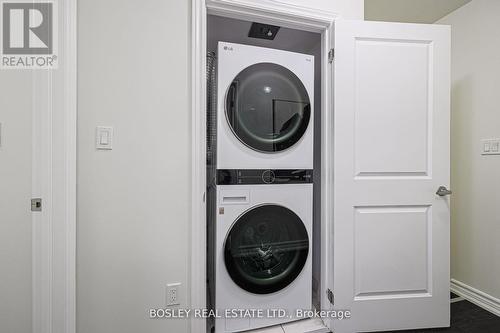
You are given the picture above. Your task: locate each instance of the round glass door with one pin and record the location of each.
(266, 249)
(267, 107)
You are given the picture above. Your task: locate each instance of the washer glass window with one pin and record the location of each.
(268, 107)
(266, 249)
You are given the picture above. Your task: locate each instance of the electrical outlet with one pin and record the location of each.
(173, 290)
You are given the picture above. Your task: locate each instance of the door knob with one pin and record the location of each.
(442, 191)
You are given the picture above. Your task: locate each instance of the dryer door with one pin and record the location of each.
(267, 107)
(266, 249)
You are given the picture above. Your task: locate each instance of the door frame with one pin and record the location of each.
(54, 126)
(265, 11)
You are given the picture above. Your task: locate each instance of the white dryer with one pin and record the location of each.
(265, 108)
(263, 254)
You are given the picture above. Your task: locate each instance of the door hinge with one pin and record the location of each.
(329, 293)
(36, 204)
(331, 55)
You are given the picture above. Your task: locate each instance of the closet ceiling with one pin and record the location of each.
(236, 31)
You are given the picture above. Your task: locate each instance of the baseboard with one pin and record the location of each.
(481, 299)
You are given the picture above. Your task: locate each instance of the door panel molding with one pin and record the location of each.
(405, 149)
(377, 265)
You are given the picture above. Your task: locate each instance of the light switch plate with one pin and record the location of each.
(104, 138)
(490, 147)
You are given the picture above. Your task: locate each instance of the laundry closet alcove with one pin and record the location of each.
(381, 125)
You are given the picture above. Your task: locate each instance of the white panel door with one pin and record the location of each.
(391, 153)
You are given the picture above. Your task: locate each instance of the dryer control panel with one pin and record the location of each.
(263, 176)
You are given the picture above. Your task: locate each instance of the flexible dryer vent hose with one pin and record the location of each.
(211, 171)
(211, 110)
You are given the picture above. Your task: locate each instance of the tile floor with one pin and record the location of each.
(301, 326)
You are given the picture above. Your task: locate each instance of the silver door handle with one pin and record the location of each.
(442, 191)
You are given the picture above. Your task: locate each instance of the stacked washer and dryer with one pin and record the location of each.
(261, 201)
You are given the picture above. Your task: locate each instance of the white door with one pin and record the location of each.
(391, 153)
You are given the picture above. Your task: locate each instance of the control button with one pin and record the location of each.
(268, 176)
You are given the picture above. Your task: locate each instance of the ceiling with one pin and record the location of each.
(414, 11)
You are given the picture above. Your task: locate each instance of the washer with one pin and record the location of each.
(265, 108)
(263, 253)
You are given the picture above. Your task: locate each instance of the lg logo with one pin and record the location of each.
(28, 28)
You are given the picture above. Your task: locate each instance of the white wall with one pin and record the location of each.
(15, 195)
(475, 179)
(348, 9)
(133, 201)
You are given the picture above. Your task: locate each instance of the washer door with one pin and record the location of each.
(266, 249)
(267, 107)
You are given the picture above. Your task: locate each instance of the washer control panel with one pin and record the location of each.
(263, 176)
